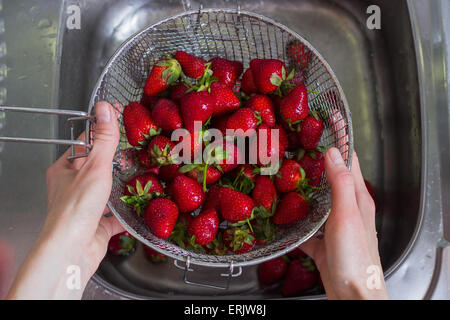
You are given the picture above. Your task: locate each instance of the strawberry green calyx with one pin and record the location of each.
(173, 71)
(243, 183)
(127, 245)
(140, 197)
(161, 157)
(205, 81)
(239, 237)
(308, 263)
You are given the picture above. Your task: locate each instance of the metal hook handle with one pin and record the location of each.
(229, 275)
(74, 116)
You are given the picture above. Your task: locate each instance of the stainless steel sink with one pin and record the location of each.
(388, 88)
(377, 70)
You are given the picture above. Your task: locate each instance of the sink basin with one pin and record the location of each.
(377, 71)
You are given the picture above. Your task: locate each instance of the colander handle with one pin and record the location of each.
(74, 116)
(187, 269)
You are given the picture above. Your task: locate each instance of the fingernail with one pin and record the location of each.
(102, 113)
(335, 156)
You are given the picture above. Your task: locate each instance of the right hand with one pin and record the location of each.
(347, 256)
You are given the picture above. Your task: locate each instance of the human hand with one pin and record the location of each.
(347, 255)
(76, 232)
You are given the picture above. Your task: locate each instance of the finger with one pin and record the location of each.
(106, 136)
(313, 248)
(108, 227)
(365, 202)
(76, 164)
(342, 185)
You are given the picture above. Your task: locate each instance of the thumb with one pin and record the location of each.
(342, 183)
(106, 135)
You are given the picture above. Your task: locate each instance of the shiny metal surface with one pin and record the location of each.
(400, 127)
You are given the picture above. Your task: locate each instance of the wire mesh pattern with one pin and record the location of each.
(236, 36)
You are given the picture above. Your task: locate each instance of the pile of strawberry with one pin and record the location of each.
(221, 206)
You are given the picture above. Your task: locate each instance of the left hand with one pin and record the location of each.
(76, 232)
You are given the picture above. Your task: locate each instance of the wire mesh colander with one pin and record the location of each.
(234, 35)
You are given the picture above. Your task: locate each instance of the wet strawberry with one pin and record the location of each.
(294, 106)
(166, 115)
(163, 74)
(204, 227)
(213, 198)
(311, 129)
(264, 194)
(160, 216)
(226, 100)
(234, 205)
(268, 74)
(122, 244)
(244, 119)
(192, 66)
(226, 71)
(313, 163)
(292, 208)
(289, 176)
(264, 106)
(169, 172)
(272, 270)
(140, 189)
(248, 85)
(196, 106)
(275, 151)
(187, 194)
(299, 54)
(300, 276)
(138, 123)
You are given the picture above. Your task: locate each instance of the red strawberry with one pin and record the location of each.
(234, 205)
(138, 123)
(311, 130)
(300, 276)
(276, 150)
(289, 176)
(226, 100)
(196, 171)
(271, 271)
(169, 172)
(314, 164)
(226, 71)
(122, 244)
(192, 66)
(163, 74)
(166, 115)
(140, 182)
(177, 92)
(292, 208)
(239, 240)
(299, 54)
(213, 198)
(244, 119)
(264, 106)
(204, 227)
(297, 253)
(140, 189)
(149, 101)
(160, 148)
(268, 74)
(226, 156)
(248, 83)
(294, 106)
(160, 216)
(196, 106)
(187, 194)
(264, 194)
(153, 255)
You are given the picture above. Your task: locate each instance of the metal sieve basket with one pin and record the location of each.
(236, 35)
